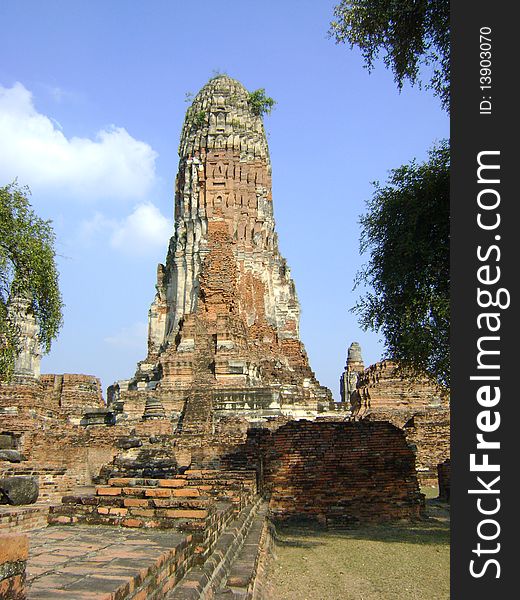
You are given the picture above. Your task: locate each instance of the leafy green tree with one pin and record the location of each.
(406, 231)
(409, 33)
(260, 103)
(27, 271)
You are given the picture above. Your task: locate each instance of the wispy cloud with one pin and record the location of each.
(59, 94)
(129, 338)
(36, 150)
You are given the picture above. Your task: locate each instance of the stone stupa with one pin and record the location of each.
(224, 324)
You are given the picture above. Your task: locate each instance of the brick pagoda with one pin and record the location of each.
(224, 325)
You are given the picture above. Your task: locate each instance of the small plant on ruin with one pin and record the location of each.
(259, 103)
(200, 118)
(217, 73)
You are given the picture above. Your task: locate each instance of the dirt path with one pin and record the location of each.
(405, 562)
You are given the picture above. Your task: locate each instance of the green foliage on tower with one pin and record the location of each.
(260, 103)
(200, 118)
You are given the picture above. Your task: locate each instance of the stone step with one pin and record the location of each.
(132, 481)
(206, 524)
(131, 501)
(181, 518)
(247, 574)
(189, 477)
(209, 579)
(220, 474)
(143, 482)
(150, 492)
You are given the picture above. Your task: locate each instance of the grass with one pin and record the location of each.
(405, 562)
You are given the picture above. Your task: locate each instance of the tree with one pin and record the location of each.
(27, 272)
(409, 32)
(260, 103)
(406, 231)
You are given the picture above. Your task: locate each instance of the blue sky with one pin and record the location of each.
(92, 100)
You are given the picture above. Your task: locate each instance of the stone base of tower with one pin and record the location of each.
(206, 410)
(217, 367)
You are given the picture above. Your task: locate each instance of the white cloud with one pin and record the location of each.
(129, 338)
(142, 233)
(34, 149)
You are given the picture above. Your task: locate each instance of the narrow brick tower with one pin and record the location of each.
(353, 369)
(224, 324)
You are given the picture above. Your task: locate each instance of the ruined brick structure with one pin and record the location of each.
(224, 325)
(224, 422)
(334, 473)
(384, 393)
(65, 396)
(40, 434)
(383, 389)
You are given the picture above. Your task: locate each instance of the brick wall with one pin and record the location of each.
(22, 518)
(334, 473)
(429, 431)
(72, 393)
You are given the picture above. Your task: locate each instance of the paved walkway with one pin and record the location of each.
(93, 562)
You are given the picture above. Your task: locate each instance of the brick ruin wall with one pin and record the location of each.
(416, 405)
(64, 455)
(40, 420)
(73, 394)
(428, 431)
(334, 473)
(382, 388)
(67, 395)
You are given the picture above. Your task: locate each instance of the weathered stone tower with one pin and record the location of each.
(224, 325)
(27, 362)
(353, 369)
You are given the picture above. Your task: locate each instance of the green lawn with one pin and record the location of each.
(402, 562)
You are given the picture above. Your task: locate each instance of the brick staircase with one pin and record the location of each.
(237, 559)
(188, 502)
(198, 502)
(131, 502)
(237, 487)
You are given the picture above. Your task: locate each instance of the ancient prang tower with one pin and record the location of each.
(353, 369)
(224, 326)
